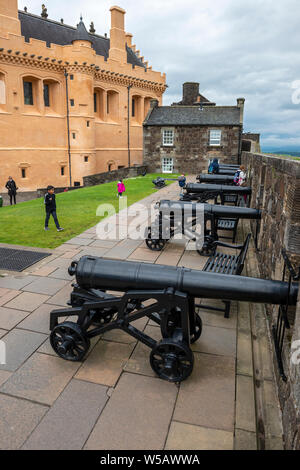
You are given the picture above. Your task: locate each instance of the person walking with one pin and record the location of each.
(12, 190)
(121, 188)
(214, 167)
(50, 206)
(242, 182)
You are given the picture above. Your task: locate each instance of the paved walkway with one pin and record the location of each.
(113, 400)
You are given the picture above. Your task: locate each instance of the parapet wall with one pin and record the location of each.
(275, 186)
(114, 175)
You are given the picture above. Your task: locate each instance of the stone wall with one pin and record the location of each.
(22, 196)
(276, 191)
(114, 175)
(191, 151)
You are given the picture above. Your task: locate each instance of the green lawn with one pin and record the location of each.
(23, 224)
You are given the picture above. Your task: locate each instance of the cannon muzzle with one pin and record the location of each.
(194, 188)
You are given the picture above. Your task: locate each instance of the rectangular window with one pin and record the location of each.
(23, 171)
(215, 138)
(62, 171)
(107, 104)
(95, 103)
(133, 107)
(73, 135)
(86, 159)
(46, 96)
(168, 137)
(72, 102)
(87, 123)
(28, 93)
(71, 77)
(167, 165)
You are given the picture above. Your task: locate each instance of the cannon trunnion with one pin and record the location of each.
(164, 294)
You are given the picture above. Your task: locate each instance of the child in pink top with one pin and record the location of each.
(121, 188)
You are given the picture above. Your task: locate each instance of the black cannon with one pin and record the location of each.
(216, 179)
(228, 171)
(170, 294)
(160, 182)
(204, 192)
(179, 217)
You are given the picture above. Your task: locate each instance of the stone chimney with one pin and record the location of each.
(190, 93)
(241, 105)
(117, 49)
(128, 37)
(153, 104)
(9, 20)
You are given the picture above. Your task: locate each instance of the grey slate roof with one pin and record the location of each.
(81, 33)
(192, 116)
(52, 32)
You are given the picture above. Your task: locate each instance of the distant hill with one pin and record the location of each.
(283, 152)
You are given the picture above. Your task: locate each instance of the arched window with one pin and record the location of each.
(99, 103)
(136, 109)
(32, 98)
(2, 91)
(51, 95)
(112, 106)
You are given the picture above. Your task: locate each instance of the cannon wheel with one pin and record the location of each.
(172, 361)
(198, 329)
(208, 249)
(174, 321)
(155, 245)
(69, 341)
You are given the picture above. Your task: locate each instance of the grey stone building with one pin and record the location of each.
(185, 136)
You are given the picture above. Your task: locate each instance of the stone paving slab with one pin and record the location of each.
(62, 297)
(123, 249)
(42, 378)
(244, 354)
(136, 399)
(3, 333)
(211, 318)
(139, 361)
(80, 241)
(71, 419)
(11, 294)
(27, 301)
(245, 440)
(105, 363)
(20, 345)
(91, 251)
(9, 318)
(4, 376)
(39, 320)
(187, 437)
(47, 286)
(13, 430)
(217, 341)
(44, 271)
(61, 273)
(207, 398)
(17, 282)
(245, 405)
(104, 243)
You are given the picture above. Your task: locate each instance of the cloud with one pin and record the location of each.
(232, 48)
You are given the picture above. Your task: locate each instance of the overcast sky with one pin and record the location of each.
(234, 48)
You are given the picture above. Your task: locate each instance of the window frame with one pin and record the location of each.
(166, 141)
(31, 98)
(213, 140)
(164, 165)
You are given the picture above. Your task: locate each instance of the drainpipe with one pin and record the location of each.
(128, 125)
(68, 126)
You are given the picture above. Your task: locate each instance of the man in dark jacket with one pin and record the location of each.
(50, 205)
(12, 190)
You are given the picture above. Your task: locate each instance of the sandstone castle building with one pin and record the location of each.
(72, 102)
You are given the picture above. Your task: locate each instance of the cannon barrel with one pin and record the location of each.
(227, 171)
(227, 165)
(98, 273)
(166, 206)
(218, 179)
(203, 188)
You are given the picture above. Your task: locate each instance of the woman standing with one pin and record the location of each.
(12, 190)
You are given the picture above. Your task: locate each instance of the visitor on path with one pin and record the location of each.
(214, 167)
(12, 190)
(242, 180)
(182, 183)
(50, 206)
(121, 188)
